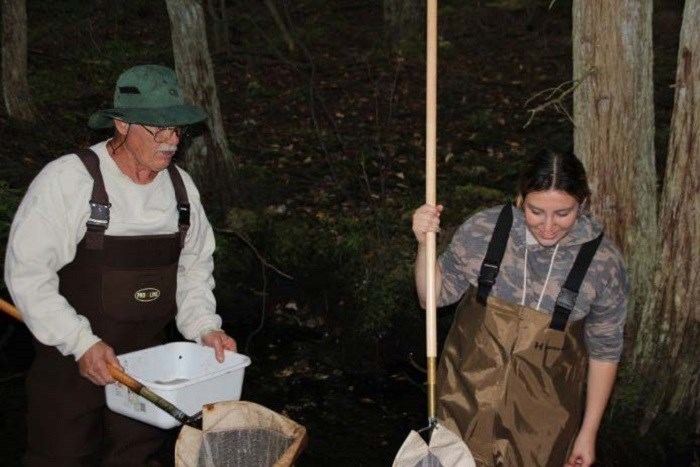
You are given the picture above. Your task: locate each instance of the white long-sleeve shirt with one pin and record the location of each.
(51, 221)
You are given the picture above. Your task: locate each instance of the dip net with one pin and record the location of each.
(445, 449)
(240, 434)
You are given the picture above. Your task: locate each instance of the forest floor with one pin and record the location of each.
(329, 148)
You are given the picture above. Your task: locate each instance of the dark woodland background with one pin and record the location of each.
(315, 252)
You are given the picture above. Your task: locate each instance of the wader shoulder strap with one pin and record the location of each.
(569, 291)
(99, 201)
(494, 254)
(183, 203)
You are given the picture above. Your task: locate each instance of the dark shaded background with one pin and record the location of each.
(329, 147)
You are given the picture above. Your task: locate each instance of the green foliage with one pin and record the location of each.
(446, 49)
(254, 89)
(254, 186)
(244, 221)
(480, 118)
(411, 48)
(465, 200)
(477, 196)
(381, 288)
(383, 293)
(362, 272)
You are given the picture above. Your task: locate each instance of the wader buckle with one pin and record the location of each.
(567, 298)
(99, 215)
(562, 309)
(184, 214)
(488, 274)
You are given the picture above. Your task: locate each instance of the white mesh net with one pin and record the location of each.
(445, 450)
(240, 434)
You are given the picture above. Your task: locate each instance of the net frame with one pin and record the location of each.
(243, 419)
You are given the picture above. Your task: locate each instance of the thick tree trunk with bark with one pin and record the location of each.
(208, 159)
(614, 130)
(403, 20)
(15, 87)
(218, 16)
(666, 346)
(614, 136)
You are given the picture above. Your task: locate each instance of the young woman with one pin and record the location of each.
(544, 314)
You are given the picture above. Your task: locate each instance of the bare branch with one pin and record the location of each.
(555, 97)
(415, 364)
(6, 379)
(266, 265)
(280, 25)
(263, 261)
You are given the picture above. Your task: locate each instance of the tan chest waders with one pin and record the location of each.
(511, 378)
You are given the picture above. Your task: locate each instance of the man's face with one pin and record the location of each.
(147, 153)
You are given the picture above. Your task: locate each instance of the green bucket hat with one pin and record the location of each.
(148, 95)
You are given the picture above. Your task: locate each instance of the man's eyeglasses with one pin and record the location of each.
(161, 135)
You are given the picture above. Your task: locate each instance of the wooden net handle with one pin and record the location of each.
(127, 381)
(431, 199)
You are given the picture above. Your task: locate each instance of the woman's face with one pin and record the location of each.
(550, 215)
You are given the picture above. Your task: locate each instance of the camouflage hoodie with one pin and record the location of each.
(602, 300)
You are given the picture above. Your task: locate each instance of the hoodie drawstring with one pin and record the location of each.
(546, 281)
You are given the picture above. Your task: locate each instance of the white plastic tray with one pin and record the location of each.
(184, 373)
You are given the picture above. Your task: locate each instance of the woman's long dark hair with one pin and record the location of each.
(549, 170)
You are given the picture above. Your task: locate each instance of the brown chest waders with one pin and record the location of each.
(511, 378)
(125, 287)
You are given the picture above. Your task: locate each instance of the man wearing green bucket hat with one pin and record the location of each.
(108, 246)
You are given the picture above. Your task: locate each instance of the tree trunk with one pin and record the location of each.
(288, 39)
(403, 21)
(667, 341)
(208, 159)
(614, 131)
(219, 24)
(15, 88)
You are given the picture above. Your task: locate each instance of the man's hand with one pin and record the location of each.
(93, 363)
(219, 341)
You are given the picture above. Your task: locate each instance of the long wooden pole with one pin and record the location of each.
(430, 198)
(129, 382)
